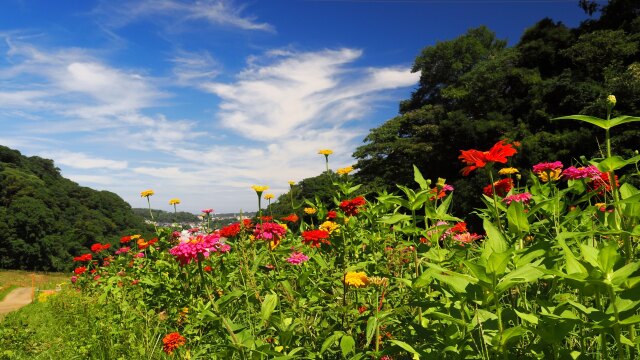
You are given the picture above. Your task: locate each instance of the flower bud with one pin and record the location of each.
(611, 100)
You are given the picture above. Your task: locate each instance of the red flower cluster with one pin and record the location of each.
(291, 218)
(352, 207)
(80, 270)
(332, 215)
(475, 159)
(85, 257)
(501, 186)
(603, 184)
(234, 229)
(315, 238)
(459, 228)
(125, 239)
(172, 341)
(97, 247)
(142, 244)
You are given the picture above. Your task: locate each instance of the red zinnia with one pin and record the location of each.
(172, 341)
(230, 231)
(80, 270)
(97, 247)
(125, 239)
(291, 218)
(603, 184)
(501, 186)
(475, 159)
(85, 257)
(332, 215)
(316, 237)
(351, 207)
(459, 228)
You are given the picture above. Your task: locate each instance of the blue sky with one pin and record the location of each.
(199, 100)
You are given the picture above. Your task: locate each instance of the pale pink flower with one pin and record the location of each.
(297, 258)
(466, 238)
(207, 211)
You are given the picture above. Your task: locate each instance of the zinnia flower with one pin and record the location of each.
(125, 239)
(547, 166)
(332, 215)
(230, 230)
(172, 341)
(199, 245)
(309, 211)
(291, 218)
(521, 198)
(297, 258)
(508, 171)
(325, 152)
(356, 279)
(207, 211)
(466, 238)
(352, 207)
(602, 184)
(97, 247)
(123, 250)
(260, 188)
(269, 231)
(501, 187)
(268, 196)
(315, 237)
(291, 182)
(345, 170)
(174, 201)
(80, 270)
(475, 159)
(85, 257)
(146, 193)
(573, 173)
(329, 226)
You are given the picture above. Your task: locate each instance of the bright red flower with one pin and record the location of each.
(459, 228)
(207, 268)
(125, 239)
(97, 247)
(476, 159)
(267, 218)
(603, 184)
(80, 270)
(172, 341)
(351, 207)
(145, 244)
(291, 218)
(332, 215)
(501, 186)
(230, 231)
(85, 257)
(315, 238)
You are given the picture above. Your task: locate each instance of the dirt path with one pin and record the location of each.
(15, 300)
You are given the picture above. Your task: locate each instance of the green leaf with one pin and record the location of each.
(268, 306)
(616, 162)
(395, 218)
(417, 176)
(330, 341)
(512, 334)
(372, 322)
(572, 265)
(347, 344)
(495, 241)
(497, 263)
(608, 257)
(527, 317)
(406, 347)
(601, 123)
(525, 274)
(622, 274)
(517, 218)
(623, 120)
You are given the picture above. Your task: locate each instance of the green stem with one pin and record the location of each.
(495, 199)
(616, 326)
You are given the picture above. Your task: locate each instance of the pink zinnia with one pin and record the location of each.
(521, 198)
(547, 167)
(269, 231)
(123, 250)
(466, 238)
(74, 279)
(207, 211)
(297, 258)
(199, 245)
(573, 173)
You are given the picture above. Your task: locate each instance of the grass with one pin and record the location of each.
(5, 290)
(39, 280)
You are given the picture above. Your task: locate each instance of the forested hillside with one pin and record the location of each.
(46, 219)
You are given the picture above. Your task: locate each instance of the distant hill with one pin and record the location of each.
(184, 218)
(46, 219)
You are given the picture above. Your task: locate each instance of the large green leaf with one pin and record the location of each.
(347, 345)
(268, 306)
(601, 123)
(417, 176)
(517, 219)
(495, 241)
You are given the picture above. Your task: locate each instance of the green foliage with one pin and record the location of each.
(46, 219)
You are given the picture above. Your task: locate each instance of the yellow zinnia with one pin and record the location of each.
(174, 201)
(325, 152)
(309, 210)
(356, 279)
(260, 188)
(291, 182)
(269, 196)
(146, 193)
(345, 170)
(553, 175)
(508, 171)
(329, 226)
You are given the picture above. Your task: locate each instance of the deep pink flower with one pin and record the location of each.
(123, 250)
(140, 255)
(297, 258)
(207, 211)
(269, 231)
(521, 198)
(547, 167)
(466, 238)
(203, 245)
(74, 279)
(573, 173)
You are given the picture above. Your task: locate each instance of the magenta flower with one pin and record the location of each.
(74, 279)
(521, 198)
(547, 167)
(207, 211)
(200, 245)
(140, 255)
(573, 173)
(269, 231)
(123, 250)
(297, 258)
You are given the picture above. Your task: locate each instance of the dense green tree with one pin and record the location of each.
(474, 91)
(46, 219)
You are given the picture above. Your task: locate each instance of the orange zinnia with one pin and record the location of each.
(476, 159)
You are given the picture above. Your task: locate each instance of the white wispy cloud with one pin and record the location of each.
(79, 160)
(215, 12)
(192, 67)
